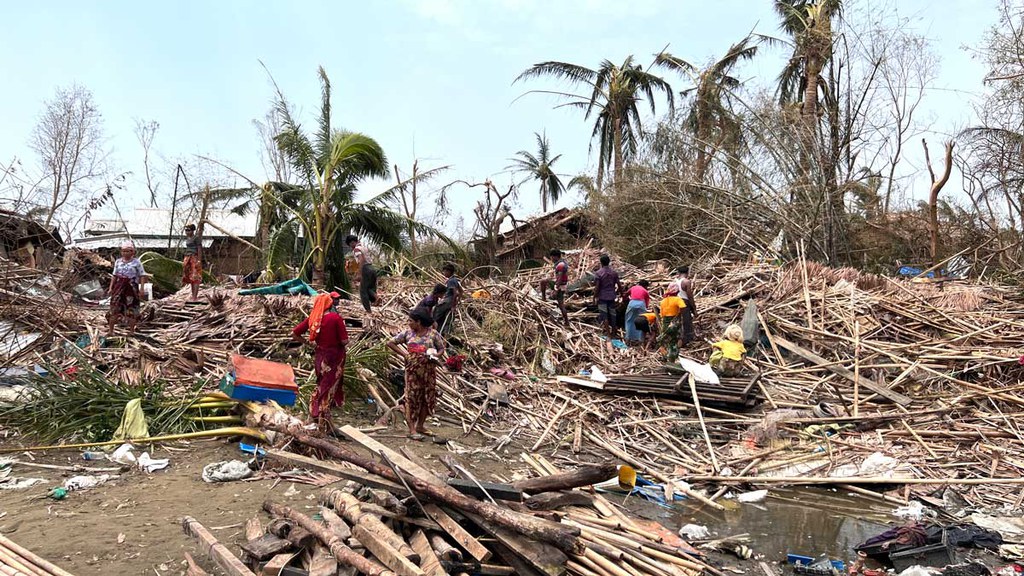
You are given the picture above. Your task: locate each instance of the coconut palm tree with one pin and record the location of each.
(330, 164)
(808, 23)
(540, 167)
(611, 97)
(710, 118)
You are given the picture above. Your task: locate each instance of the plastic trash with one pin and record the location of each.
(19, 483)
(919, 571)
(750, 497)
(227, 471)
(86, 482)
(149, 464)
(912, 511)
(90, 455)
(694, 532)
(597, 375)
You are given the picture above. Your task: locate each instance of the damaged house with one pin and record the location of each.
(228, 238)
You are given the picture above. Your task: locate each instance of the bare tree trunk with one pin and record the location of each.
(933, 197)
(544, 196)
(617, 143)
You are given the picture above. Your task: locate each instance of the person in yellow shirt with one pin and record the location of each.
(727, 355)
(671, 315)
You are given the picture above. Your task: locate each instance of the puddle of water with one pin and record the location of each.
(808, 521)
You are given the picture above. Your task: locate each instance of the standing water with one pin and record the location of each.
(806, 521)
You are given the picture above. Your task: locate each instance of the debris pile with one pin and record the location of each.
(395, 516)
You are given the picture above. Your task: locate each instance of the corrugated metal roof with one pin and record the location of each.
(141, 243)
(156, 222)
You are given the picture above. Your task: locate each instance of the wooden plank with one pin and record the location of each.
(353, 434)
(214, 549)
(276, 565)
(457, 532)
(428, 559)
(264, 547)
(813, 358)
(497, 491)
(540, 556)
(348, 473)
(387, 555)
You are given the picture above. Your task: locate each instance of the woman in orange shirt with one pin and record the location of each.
(671, 314)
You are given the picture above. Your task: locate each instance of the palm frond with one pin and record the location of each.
(561, 70)
(323, 131)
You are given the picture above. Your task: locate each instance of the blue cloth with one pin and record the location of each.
(635, 309)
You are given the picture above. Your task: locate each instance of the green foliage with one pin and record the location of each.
(540, 167)
(611, 95)
(87, 407)
(166, 272)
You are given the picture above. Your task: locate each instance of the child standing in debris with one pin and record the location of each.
(124, 289)
(639, 300)
(442, 314)
(727, 357)
(326, 328)
(560, 280)
(424, 350)
(671, 312)
(192, 265)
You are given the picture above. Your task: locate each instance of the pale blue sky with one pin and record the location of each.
(428, 78)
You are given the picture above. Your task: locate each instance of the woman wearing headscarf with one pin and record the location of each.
(424, 349)
(326, 329)
(124, 289)
(192, 265)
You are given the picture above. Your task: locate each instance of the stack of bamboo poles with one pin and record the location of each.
(16, 560)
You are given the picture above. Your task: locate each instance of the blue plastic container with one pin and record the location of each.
(255, 393)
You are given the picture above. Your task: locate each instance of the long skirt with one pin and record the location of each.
(687, 317)
(192, 270)
(124, 298)
(635, 308)
(330, 382)
(670, 337)
(420, 387)
(367, 286)
(725, 366)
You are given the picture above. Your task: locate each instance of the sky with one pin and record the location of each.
(429, 79)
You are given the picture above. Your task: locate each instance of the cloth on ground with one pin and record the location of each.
(133, 422)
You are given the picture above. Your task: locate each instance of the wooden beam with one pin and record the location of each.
(214, 549)
(813, 358)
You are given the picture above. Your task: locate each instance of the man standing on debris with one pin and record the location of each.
(606, 291)
(685, 288)
(443, 313)
(560, 281)
(424, 349)
(192, 265)
(639, 301)
(326, 329)
(124, 289)
(367, 273)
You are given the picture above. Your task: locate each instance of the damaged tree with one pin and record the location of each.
(933, 196)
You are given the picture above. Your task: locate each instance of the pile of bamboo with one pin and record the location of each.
(393, 515)
(16, 560)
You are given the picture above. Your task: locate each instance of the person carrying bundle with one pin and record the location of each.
(727, 355)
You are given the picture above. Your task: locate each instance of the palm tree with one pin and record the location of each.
(808, 23)
(710, 117)
(540, 167)
(612, 94)
(330, 165)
